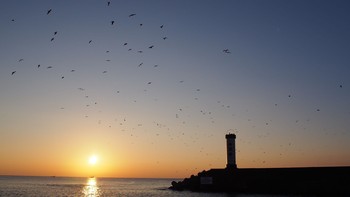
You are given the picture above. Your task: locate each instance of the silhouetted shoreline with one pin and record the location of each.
(304, 180)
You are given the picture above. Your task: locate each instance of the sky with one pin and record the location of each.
(153, 93)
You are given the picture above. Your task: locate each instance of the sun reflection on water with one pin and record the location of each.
(91, 189)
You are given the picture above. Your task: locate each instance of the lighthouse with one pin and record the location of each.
(231, 151)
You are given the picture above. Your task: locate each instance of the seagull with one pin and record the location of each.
(226, 51)
(164, 38)
(72, 70)
(13, 20)
(140, 64)
(52, 39)
(90, 41)
(38, 65)
(161, 26)
(48, 12)
(49, 67)
(150, 47)
(62, 77)
(104, 72)
(112, 22)
(139, 51)
(340, 86)
(107, 51)
(55, 33)
(108, 3)
(129, 49)
(125, 44)
(149, 83)
(13, 72)
(132, 15)
(20, 60)
(141, 24)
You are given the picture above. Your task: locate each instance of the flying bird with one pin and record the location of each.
(125, 44)
(90, 41)
(164, 38)
(38, 65)
(132, 15)
(139, 51)
(141, 24)
(150, 47)
(62, 77)
(340, 86)
(49, 67)
(104, 72)
(52, 39)
(161, 26)
(140, 64)
(149, 82)
(20, 60)
(72, 70)
(108, 3)
(48, 12)
(13, 72)
(112, 22)
(226, 51)
(55, 33)
(13, 20)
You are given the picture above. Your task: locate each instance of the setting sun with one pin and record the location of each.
(93, 160)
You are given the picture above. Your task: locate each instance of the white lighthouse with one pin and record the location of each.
(231, 151)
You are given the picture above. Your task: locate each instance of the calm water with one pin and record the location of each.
(93, 187)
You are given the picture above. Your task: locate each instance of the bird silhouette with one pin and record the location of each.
(108, 3)
(149, 82)
(112, 22)
(13, 72)
(72, 70)
(340, 86)
(132, 15)
(20, 60)
(139, 51)
(55, 33)
(49, 67)
(140, 64)
(161, 26)
(141, 24)
(49, 11)
(90, 41)
(226, 51)
(151, 47)
(164, 38)
(125, 44)
(104, 72)
(52, 39)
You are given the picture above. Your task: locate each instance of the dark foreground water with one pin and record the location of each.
(95, 187)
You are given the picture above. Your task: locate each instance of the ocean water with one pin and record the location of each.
(11, 186)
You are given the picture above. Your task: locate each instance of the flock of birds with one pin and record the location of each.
(179, 114)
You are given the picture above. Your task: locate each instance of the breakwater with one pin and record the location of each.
(304, 180)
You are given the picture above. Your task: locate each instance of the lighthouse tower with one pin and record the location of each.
(231, 151)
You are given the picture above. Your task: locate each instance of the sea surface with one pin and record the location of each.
(96, 187)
